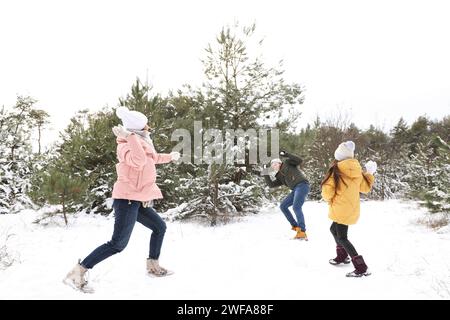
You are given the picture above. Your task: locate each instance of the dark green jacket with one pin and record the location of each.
(289, 174)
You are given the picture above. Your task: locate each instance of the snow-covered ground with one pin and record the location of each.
(250, 259)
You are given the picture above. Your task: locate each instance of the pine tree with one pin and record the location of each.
(88, 151)
(429, 175)
(16, 155)
(418, 134)
(61, 189)
(441, 128)
(4, 171)
(40, 119)
(240, 92)
(240, 89)
(400, 133)
(436, 195)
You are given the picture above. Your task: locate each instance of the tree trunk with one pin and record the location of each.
(214, 192)
(39, 139)
(215, 200)
(15, 134)
(64, 208)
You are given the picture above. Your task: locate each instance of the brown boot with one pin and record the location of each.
(361, 268)
(341, 256)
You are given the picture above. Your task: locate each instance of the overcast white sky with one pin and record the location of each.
(377, 60)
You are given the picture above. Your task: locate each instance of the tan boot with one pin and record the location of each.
(301, 235)
(77, 278)
(153, 268)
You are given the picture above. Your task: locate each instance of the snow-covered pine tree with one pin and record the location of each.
(88, 152)
(428, 177)
(4, 167)
(376, 145)
(16, 158)
(240, 93)
(437, 195)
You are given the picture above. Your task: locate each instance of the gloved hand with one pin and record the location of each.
(263, 171)
(271, 173)
(371, 167)
(120, 132)
(175, 155)
(147, 204)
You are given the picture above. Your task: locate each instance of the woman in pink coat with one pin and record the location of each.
(133, 193)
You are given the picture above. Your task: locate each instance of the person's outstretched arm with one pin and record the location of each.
(292, 159)
(272, 183)
(367, 182)
(162, 157)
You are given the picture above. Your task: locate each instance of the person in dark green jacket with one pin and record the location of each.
(287, 173)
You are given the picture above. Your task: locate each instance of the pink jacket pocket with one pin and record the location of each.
(127, 174)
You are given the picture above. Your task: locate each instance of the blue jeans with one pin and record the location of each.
(296, 199)
(126, 214)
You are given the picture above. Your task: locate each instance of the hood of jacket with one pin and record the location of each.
(350, 168)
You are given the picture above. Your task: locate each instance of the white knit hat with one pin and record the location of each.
(132, 120)
(275, 160)
(345, 150)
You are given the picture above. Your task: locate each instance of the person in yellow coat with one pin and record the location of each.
(341, 186)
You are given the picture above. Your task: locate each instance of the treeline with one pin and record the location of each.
(414, 161)
(239, 92)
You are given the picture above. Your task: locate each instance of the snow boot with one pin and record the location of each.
(154, 269)
(77, 279)
(361, 268)
(342, 256)
(301, 235)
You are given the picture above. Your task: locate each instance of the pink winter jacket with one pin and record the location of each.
(136, 171)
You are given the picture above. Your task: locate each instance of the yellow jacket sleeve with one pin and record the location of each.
(328, 189)
(367, 185)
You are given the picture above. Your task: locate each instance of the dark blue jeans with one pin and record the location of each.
(296, 199)
(126, 214)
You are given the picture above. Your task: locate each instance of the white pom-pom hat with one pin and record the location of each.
(132, 120)
(345, 150)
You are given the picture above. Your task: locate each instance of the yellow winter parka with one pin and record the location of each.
(344, 202)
